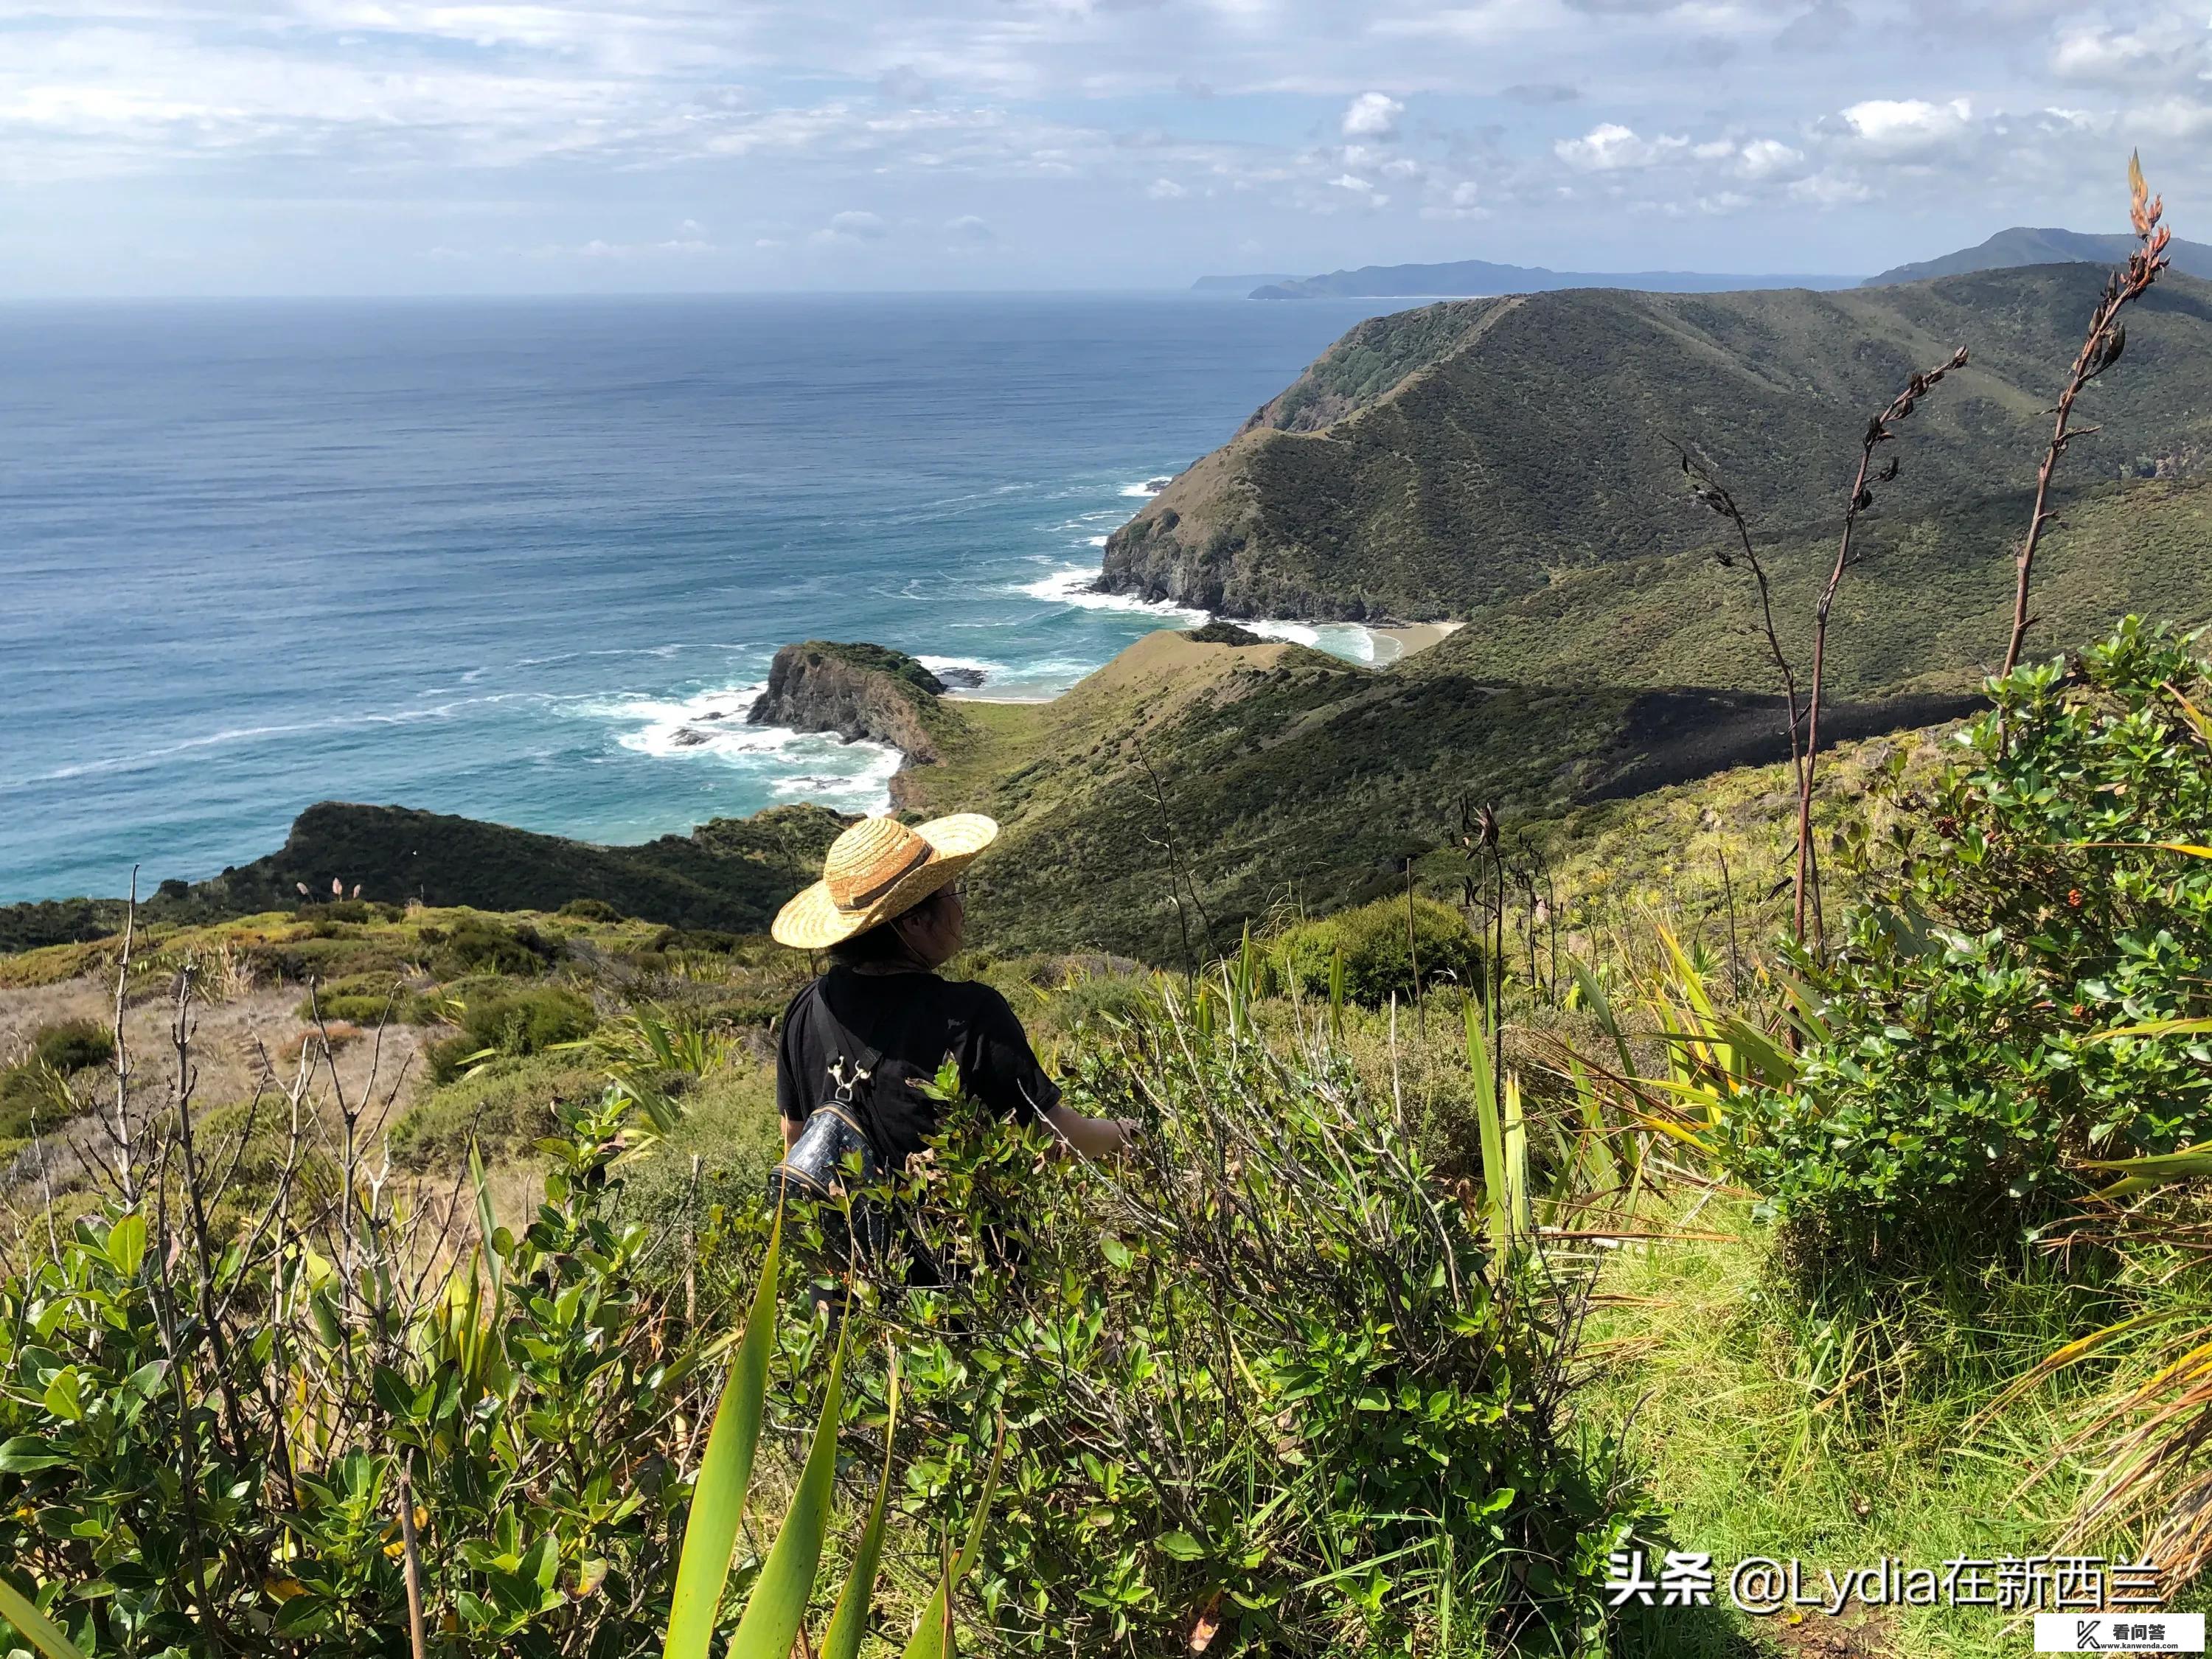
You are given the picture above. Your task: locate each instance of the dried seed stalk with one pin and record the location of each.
(2106, 339)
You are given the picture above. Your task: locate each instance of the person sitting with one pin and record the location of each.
(857, 1042)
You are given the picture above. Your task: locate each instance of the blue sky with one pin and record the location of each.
(466, 146)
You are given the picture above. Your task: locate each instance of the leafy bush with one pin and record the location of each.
(250, 1144)
(153, 1490)
(74, 1045)
(474, 946)
(1376, 964)
(590, 909)
(730, 1126)
(1270, 1374)
(365, 999)
(697, 941)
(528, 1021)
(329, 955)
(504, 1106)
(352, 912)
(30, 1092)
(1963, 1043)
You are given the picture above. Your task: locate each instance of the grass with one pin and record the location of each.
(1774, 1424)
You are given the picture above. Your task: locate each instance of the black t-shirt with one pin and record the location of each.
(912, 1021)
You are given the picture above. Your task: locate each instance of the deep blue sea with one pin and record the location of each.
(491, 557)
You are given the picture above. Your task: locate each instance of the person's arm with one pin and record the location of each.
(790, 1105)
(1093, 1136)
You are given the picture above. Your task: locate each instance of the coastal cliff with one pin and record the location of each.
(1463, 458)
(863, 693)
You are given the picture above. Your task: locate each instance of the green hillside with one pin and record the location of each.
(1928, 609)
(2024, 245)
(1462, 456)
(1252, 781)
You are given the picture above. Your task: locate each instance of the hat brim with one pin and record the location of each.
(815, 922)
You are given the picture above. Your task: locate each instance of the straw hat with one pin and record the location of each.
(877, 870)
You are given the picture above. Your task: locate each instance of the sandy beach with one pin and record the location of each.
(1415, 636)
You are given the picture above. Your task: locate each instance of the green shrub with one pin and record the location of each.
(326, 958)
(74, 1045)
(729, 1123)
(1268, 1366)
(31, 1092)
(590, 909)
(505, 1106)
(1962, 1054)
(706, 941)
(249, 1145)
(352, 912)
(369, 999)
(159, 1486)
(1377, 964)
(528, 1021)
(474, 946)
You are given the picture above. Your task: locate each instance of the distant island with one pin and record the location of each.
(1463, 278)
(1238, 284)
(1480, 278)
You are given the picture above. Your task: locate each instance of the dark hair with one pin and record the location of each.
(880, 943)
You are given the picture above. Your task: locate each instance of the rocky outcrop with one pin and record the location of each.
(860, 692)
(863, 693)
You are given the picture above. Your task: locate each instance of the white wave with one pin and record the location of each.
(1143, 488)
(1095, 541)
(1354, 641)
(982, 666)
(867, 790)
(711, 726)
(1071, 585)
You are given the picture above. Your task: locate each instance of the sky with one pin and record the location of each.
(196, 147)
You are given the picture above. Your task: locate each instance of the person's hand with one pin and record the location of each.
(1128, 1128)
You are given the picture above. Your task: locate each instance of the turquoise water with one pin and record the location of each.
(492, 557)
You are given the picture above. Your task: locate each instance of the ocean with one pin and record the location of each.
(491, 558)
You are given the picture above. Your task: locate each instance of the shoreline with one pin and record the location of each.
(1391, 644)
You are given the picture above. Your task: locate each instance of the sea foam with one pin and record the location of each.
(1074, 585)
(711, 726)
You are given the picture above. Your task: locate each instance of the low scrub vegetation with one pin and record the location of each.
(1376, 953)
(2004, 1010)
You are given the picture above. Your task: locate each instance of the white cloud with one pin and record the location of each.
(970, 228)
(854, 225)
(1764, 157)
(1828, 190)
(581, 121)
(1907, 122)
(1373, 115)
(1609, 147)
(2160, 50)
(598, 248)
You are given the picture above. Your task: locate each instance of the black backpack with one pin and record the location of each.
(814, 1169)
